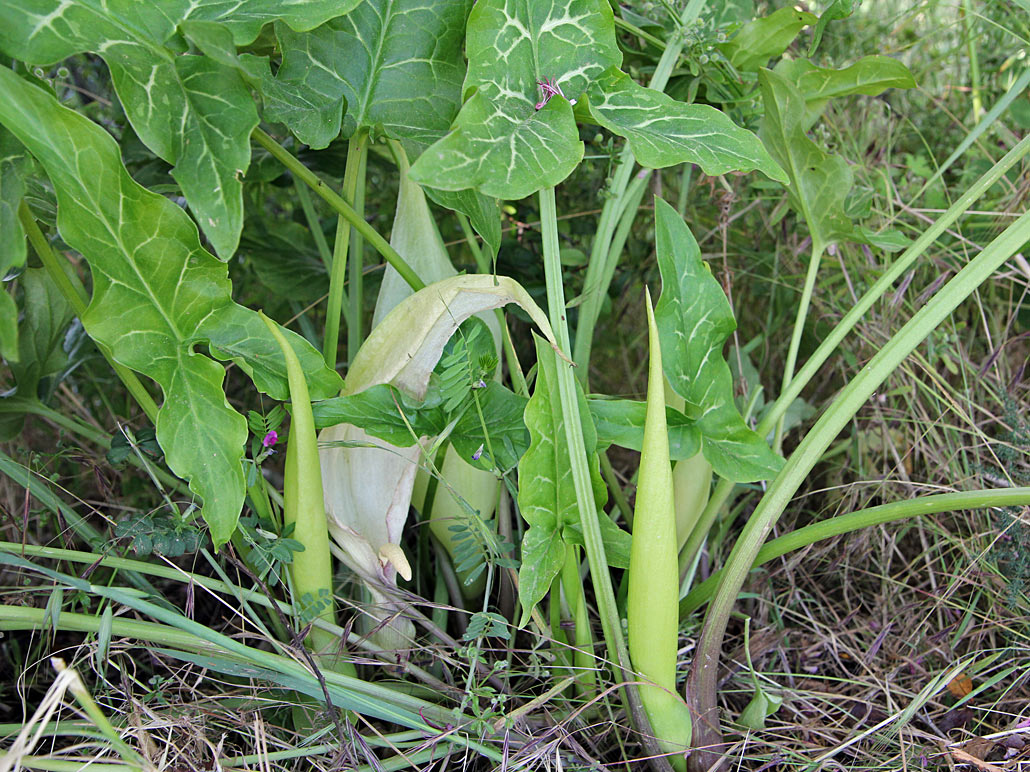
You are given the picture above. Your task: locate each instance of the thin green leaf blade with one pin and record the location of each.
(663, 132)
(694, 319)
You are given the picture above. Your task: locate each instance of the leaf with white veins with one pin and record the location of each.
(694, 319)
(154, 290)
(501, 144)
(193, 111)
(663, 132)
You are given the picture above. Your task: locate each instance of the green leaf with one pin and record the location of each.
(888, 240)
(501, 144)
(819, 182)
(394, 66)
(193, 111)
(760, 40)
(616, 540)
(284, 258)
(762, 706)
(503, 412)
(237, 333)
(385, 413)
(542, 557)
(154, 290)
(547, 495)
(14, 164)
(694, 319)
(621, 422)
(8, 326)
(870, 75)
(663, 132)
(382, 411)
(503, 154)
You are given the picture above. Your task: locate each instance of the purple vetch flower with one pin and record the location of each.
(478, 453)
(270, 439)
(550, 88)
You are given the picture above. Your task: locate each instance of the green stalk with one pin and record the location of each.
(341, 207)
(851, 318)
(311, 570)
(596, 558)
(313, 223)
(863, 518)
(584, 662)
(799, 326)
(341, 247)
(974, 59)
(703, 676)
(77, 298)
(595, 288)
(653, 572)
(356, 265)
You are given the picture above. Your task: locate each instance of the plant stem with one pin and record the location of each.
(341, 207)
(599, 574)
(584, 662)
(313, 223)
(77, 298)
(356, 264)
(863, 518)
(595, 285)
(704, 670)
(799, 327)
(338, 273)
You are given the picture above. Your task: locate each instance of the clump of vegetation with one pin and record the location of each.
(336, 430)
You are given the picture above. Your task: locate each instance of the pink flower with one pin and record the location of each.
(270, 439)
(549, 89)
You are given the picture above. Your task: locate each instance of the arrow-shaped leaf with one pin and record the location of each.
(501, 143)
(155, 293)
(819, 182)
(663, 132)
(694, 319)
